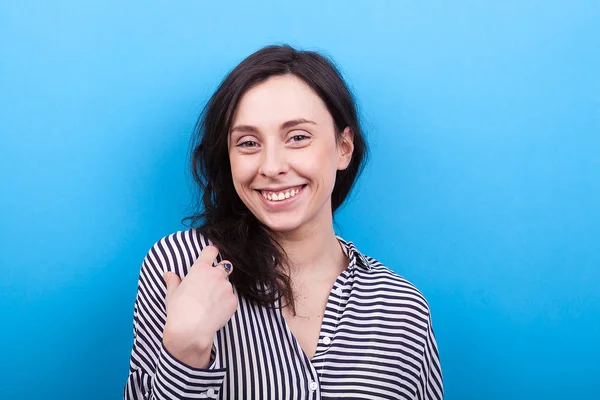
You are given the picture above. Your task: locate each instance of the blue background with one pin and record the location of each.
(483, 187)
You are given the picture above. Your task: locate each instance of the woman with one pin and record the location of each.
(261, 300)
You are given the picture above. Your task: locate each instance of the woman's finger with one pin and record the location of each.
(226, 266)
(207, 256)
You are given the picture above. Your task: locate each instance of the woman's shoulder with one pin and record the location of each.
(175, 252)
(388, 287)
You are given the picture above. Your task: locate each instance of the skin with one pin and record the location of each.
(282, 136)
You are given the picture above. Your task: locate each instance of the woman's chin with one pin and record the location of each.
(282, 225)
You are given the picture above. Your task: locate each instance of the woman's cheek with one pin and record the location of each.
(240, 169)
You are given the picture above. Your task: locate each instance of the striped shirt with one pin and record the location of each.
(376, 340)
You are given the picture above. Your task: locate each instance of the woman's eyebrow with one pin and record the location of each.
(285, 125)
(294, 122)
(244, 129)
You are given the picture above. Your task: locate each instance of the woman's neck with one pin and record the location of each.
(313, 252)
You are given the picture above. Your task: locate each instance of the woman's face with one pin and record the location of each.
(284, 155)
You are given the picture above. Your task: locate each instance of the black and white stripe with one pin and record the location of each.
(376, 340)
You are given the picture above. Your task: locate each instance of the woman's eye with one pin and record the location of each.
(298, 138)
(247, 143)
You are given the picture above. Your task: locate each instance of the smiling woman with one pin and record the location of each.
(291, 310)
(271, 160)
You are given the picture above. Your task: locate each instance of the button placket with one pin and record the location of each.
(209, 394)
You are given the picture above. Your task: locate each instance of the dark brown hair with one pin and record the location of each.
(221, 216)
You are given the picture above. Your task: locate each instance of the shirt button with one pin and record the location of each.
(338, 291)
(326, 340)
(313, 386)
(210, 392)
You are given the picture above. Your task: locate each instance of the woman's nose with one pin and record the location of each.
(273, 162)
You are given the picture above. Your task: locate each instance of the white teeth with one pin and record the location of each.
(280, 196)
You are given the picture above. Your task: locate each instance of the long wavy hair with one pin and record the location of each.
(218, 212)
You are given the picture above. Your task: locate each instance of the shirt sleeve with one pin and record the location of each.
(431, 383)
(154, 374)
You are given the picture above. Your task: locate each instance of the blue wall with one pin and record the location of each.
(483, 187)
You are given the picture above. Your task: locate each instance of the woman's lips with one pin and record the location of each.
(290, 196)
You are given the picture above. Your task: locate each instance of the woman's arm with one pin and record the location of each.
(431, 384)
(154, 374)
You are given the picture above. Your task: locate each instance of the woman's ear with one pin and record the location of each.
(345, 148)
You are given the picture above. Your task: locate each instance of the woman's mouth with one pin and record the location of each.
(280, 195)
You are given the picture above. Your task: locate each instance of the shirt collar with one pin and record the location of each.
(355, 256)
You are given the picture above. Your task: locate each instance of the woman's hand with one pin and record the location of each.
(197, 308)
